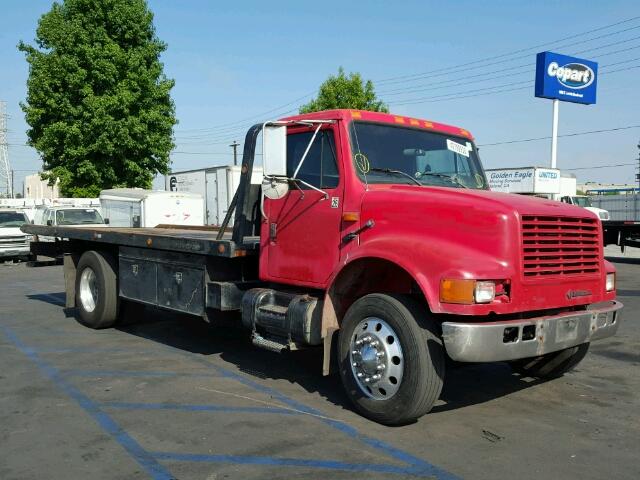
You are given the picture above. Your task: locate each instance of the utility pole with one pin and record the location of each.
(638, 174)
(235, 145)
(5, 168)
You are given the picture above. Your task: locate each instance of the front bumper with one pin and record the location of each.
(515, 339)
(17, 251)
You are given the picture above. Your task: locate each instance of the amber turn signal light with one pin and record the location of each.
(457, 291)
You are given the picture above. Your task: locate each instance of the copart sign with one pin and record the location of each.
(566, 78)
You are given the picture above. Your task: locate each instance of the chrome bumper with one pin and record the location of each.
(14, 251)
(514, 339)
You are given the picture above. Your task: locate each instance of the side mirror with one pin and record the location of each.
(106, 221)
(274, 150)
(49, 223)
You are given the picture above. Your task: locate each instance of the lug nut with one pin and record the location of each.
(358, 343)
(367, 380)
(380, 367)
(360, 374)
(354, 352)
(380, 354)
(355, 364)
(376, 377)
(375, 343)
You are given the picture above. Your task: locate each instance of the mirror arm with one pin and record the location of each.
(326, 195)
(295, 184)
(295, 174)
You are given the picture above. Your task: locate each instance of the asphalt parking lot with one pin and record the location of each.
(167, 396)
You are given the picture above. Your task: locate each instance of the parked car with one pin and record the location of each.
(13, 242)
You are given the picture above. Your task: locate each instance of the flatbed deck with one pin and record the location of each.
(186, 240)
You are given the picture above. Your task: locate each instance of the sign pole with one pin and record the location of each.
(554, 134)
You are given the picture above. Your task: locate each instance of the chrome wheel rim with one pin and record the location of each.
(376, 358)
(88, 290)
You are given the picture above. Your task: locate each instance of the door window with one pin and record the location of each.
(319, 168)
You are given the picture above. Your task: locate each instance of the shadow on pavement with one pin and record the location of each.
(465, 384)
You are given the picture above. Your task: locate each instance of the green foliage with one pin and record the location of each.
(98, 103)
(344, 91)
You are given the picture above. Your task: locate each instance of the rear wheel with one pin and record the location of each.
(96, 290)
(391, 358)
(551, 365)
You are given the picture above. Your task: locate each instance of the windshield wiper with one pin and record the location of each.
(395, 172)
(444, 175)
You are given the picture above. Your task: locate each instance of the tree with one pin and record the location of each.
(98, 103)
(344, 91)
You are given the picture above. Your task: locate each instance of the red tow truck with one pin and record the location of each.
(373, 237)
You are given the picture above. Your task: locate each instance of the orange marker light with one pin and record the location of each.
(414, 122)
(457, 291)
(399, 119)
(350, 216)
(355, 114)
(428, 124)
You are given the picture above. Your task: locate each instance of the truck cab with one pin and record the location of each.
(68, 215)
(585, 202)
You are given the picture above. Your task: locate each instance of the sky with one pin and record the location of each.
(237, 63)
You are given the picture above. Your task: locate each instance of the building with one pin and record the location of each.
(596, 188)
(35, 187)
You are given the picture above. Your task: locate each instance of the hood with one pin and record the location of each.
(478, 200)
(440, 232)
(11, 232)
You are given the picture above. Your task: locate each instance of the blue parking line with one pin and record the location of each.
(133, 373)
(420, 464)
(197, 408)
(133, 448)
(291, 462)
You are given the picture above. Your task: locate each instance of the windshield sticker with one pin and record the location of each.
(362, 162)
(458, 148)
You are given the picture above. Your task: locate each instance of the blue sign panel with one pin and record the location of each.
(566, 78)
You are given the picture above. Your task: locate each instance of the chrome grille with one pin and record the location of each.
(13, 241)
(560, 246)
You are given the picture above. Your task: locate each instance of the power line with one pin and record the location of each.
(447, 83)
(600, 166)
(400, 78)
(457, 96)
(576, 134)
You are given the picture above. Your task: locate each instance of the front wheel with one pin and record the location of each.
(391, 358)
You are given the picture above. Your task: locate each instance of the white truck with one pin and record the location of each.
(568, 194)
(544, 182)
(216, 185)
(13, 242)
(135, 207)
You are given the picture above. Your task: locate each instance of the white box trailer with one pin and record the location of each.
(525, 180)
(217, 185)
(136, 207)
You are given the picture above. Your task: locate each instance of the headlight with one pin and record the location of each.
(610, 284)
(485, 292)
(604, 215)
(467, 292)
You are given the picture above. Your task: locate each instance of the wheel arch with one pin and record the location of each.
(359, 277)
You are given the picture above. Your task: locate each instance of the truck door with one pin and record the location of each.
(302, 233)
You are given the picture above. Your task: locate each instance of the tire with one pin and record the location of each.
(551, 365)
(412, 354)
(97, 290)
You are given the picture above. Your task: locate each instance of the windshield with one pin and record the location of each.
(388, 154)
(77, 217)
(582, 201)
(12, 219)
